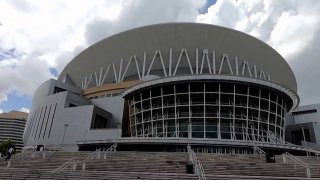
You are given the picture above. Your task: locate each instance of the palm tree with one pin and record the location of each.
(5, 145)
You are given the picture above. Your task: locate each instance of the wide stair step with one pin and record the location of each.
(152, 165)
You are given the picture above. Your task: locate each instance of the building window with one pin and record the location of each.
(57, 90)
(298, 136)
(115, 94)
(297, 113)
(72, 105)
(100, 122)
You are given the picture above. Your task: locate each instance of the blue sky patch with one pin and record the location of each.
(9, 54)
(204, 9)
(54, 71)
(16, 102)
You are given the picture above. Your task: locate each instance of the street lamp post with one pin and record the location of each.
(65, 129)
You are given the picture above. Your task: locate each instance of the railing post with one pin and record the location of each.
(74, 167)
(197, 166)
(98, 155)
(284, 158)
(297, 161)
(198, 169)
(84, 166)
(308, 174)
(9, 164)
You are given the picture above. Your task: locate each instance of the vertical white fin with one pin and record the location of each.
(225, 57)
(205, 56)
(178, 63)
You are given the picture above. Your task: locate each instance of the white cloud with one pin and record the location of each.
(1, 111)
(22, 76)
(44, 31)
(136, 13)
(50, 33)
(23, 109)
(50, 27)
(280, 23)
(290, 26)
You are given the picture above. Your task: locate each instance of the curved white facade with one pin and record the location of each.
(179, 80)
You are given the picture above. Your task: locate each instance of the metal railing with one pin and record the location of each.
(109, 151)
(257, 150)
(63, 166)
(18, 157)
(310, 150)
(198, 168)
(97, 155)
(296, 161)
(89, 157)
(112, 148)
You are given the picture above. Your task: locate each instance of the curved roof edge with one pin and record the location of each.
(102, 42)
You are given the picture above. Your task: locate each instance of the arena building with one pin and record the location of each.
(163, 86)
(12, 125)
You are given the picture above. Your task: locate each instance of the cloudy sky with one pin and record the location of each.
(38, 38)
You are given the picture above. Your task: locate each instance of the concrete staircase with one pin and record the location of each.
(51, 161)
(253, 165)
(153, 166)
(120, 165)
(314, 164)
(157, 162)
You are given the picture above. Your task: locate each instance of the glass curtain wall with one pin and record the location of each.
(216, 110)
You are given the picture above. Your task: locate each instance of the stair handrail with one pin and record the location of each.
(259, 151)
(312, 150)
(297, 161)
(97, 154)
(196, 163)
(111, 149)
(63, 166)
(201, 170)
(21, 155)
(91, 156)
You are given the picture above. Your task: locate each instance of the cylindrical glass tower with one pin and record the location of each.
(215, 109)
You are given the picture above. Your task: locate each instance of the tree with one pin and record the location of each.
(5, 145)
